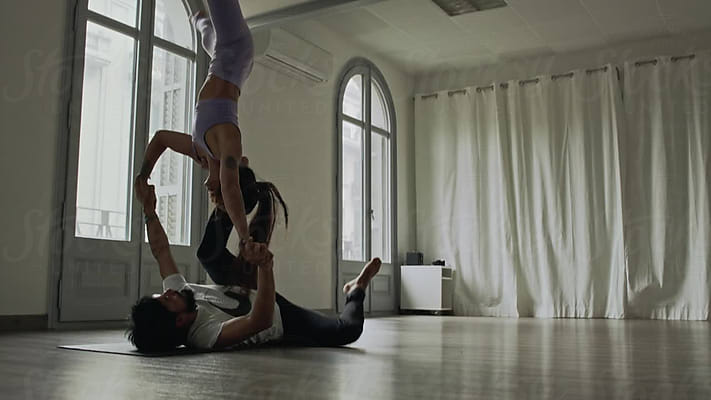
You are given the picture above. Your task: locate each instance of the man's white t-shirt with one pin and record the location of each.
(206, 328)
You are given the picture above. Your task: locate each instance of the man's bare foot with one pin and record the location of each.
(363, 279)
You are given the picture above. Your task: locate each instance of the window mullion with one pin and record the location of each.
(354, 121)
(381, 132)
(142, 95)
(366, 163)
(112, 24)
(76, 99)
(77, 96)
(173, 48)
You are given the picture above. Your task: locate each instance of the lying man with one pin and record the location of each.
(231, 314)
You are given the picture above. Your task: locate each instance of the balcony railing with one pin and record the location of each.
(100, 224)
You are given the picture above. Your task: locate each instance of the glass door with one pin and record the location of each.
(365, 181)
(105, 262)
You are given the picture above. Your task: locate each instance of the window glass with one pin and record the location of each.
(171, 110)
(380, 197)
(352, 227)
(353, 98)
(106, 134)
(172, 23)
(379, 116)
(124, 11)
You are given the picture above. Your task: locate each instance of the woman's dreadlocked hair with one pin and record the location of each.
(264, 196)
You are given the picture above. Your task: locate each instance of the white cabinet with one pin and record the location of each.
(426, 287)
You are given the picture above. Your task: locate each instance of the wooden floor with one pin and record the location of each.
(406, 357)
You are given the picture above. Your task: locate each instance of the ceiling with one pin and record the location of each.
(251, 8)
(418, 36)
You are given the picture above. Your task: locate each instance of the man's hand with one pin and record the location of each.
(146, 194)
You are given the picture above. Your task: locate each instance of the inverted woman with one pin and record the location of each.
(216, 139)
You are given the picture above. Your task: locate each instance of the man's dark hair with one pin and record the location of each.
(153, 327)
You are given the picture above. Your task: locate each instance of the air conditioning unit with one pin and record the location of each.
(282, 51)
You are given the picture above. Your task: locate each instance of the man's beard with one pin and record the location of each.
(189, 297)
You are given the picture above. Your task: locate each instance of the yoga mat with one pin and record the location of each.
(127, 348)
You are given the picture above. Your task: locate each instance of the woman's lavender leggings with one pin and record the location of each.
(227, 39)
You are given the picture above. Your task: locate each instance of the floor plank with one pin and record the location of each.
(413, 357)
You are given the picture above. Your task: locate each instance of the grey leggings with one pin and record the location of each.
(304, 327)
(301, 326)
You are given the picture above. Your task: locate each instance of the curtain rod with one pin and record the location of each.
(450, 93)
(656, 61)
(460, 91)
(592, 71)
(568, 75)
(505, 85)
(553, 77)
(527, 81)
(688, 56)
(646, 62)
(558, 76)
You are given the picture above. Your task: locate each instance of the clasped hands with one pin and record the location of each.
(146, 194)
(256, 253)
(253, 252)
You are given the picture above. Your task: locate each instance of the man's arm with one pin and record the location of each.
(157, 238)
(261, 317)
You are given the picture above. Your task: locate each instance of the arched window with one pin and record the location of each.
(366, 132)
(134, 73)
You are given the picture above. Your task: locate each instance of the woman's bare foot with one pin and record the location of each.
(363, 279)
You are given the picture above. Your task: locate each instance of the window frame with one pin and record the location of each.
(371, 74)
(78, 15)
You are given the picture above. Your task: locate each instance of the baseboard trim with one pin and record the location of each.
(371, 314)
(16, 323)
(427, 312)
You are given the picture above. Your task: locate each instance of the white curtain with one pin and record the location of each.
(523, 190)
(565, 195)
(666, 152)
(462, 216)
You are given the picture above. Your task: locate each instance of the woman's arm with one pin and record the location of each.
(179, 142)
(230, 155)
(262, 315)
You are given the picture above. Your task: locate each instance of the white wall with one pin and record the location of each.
(288, 134)
(290, 137)
(30, 91)
(530, 67)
